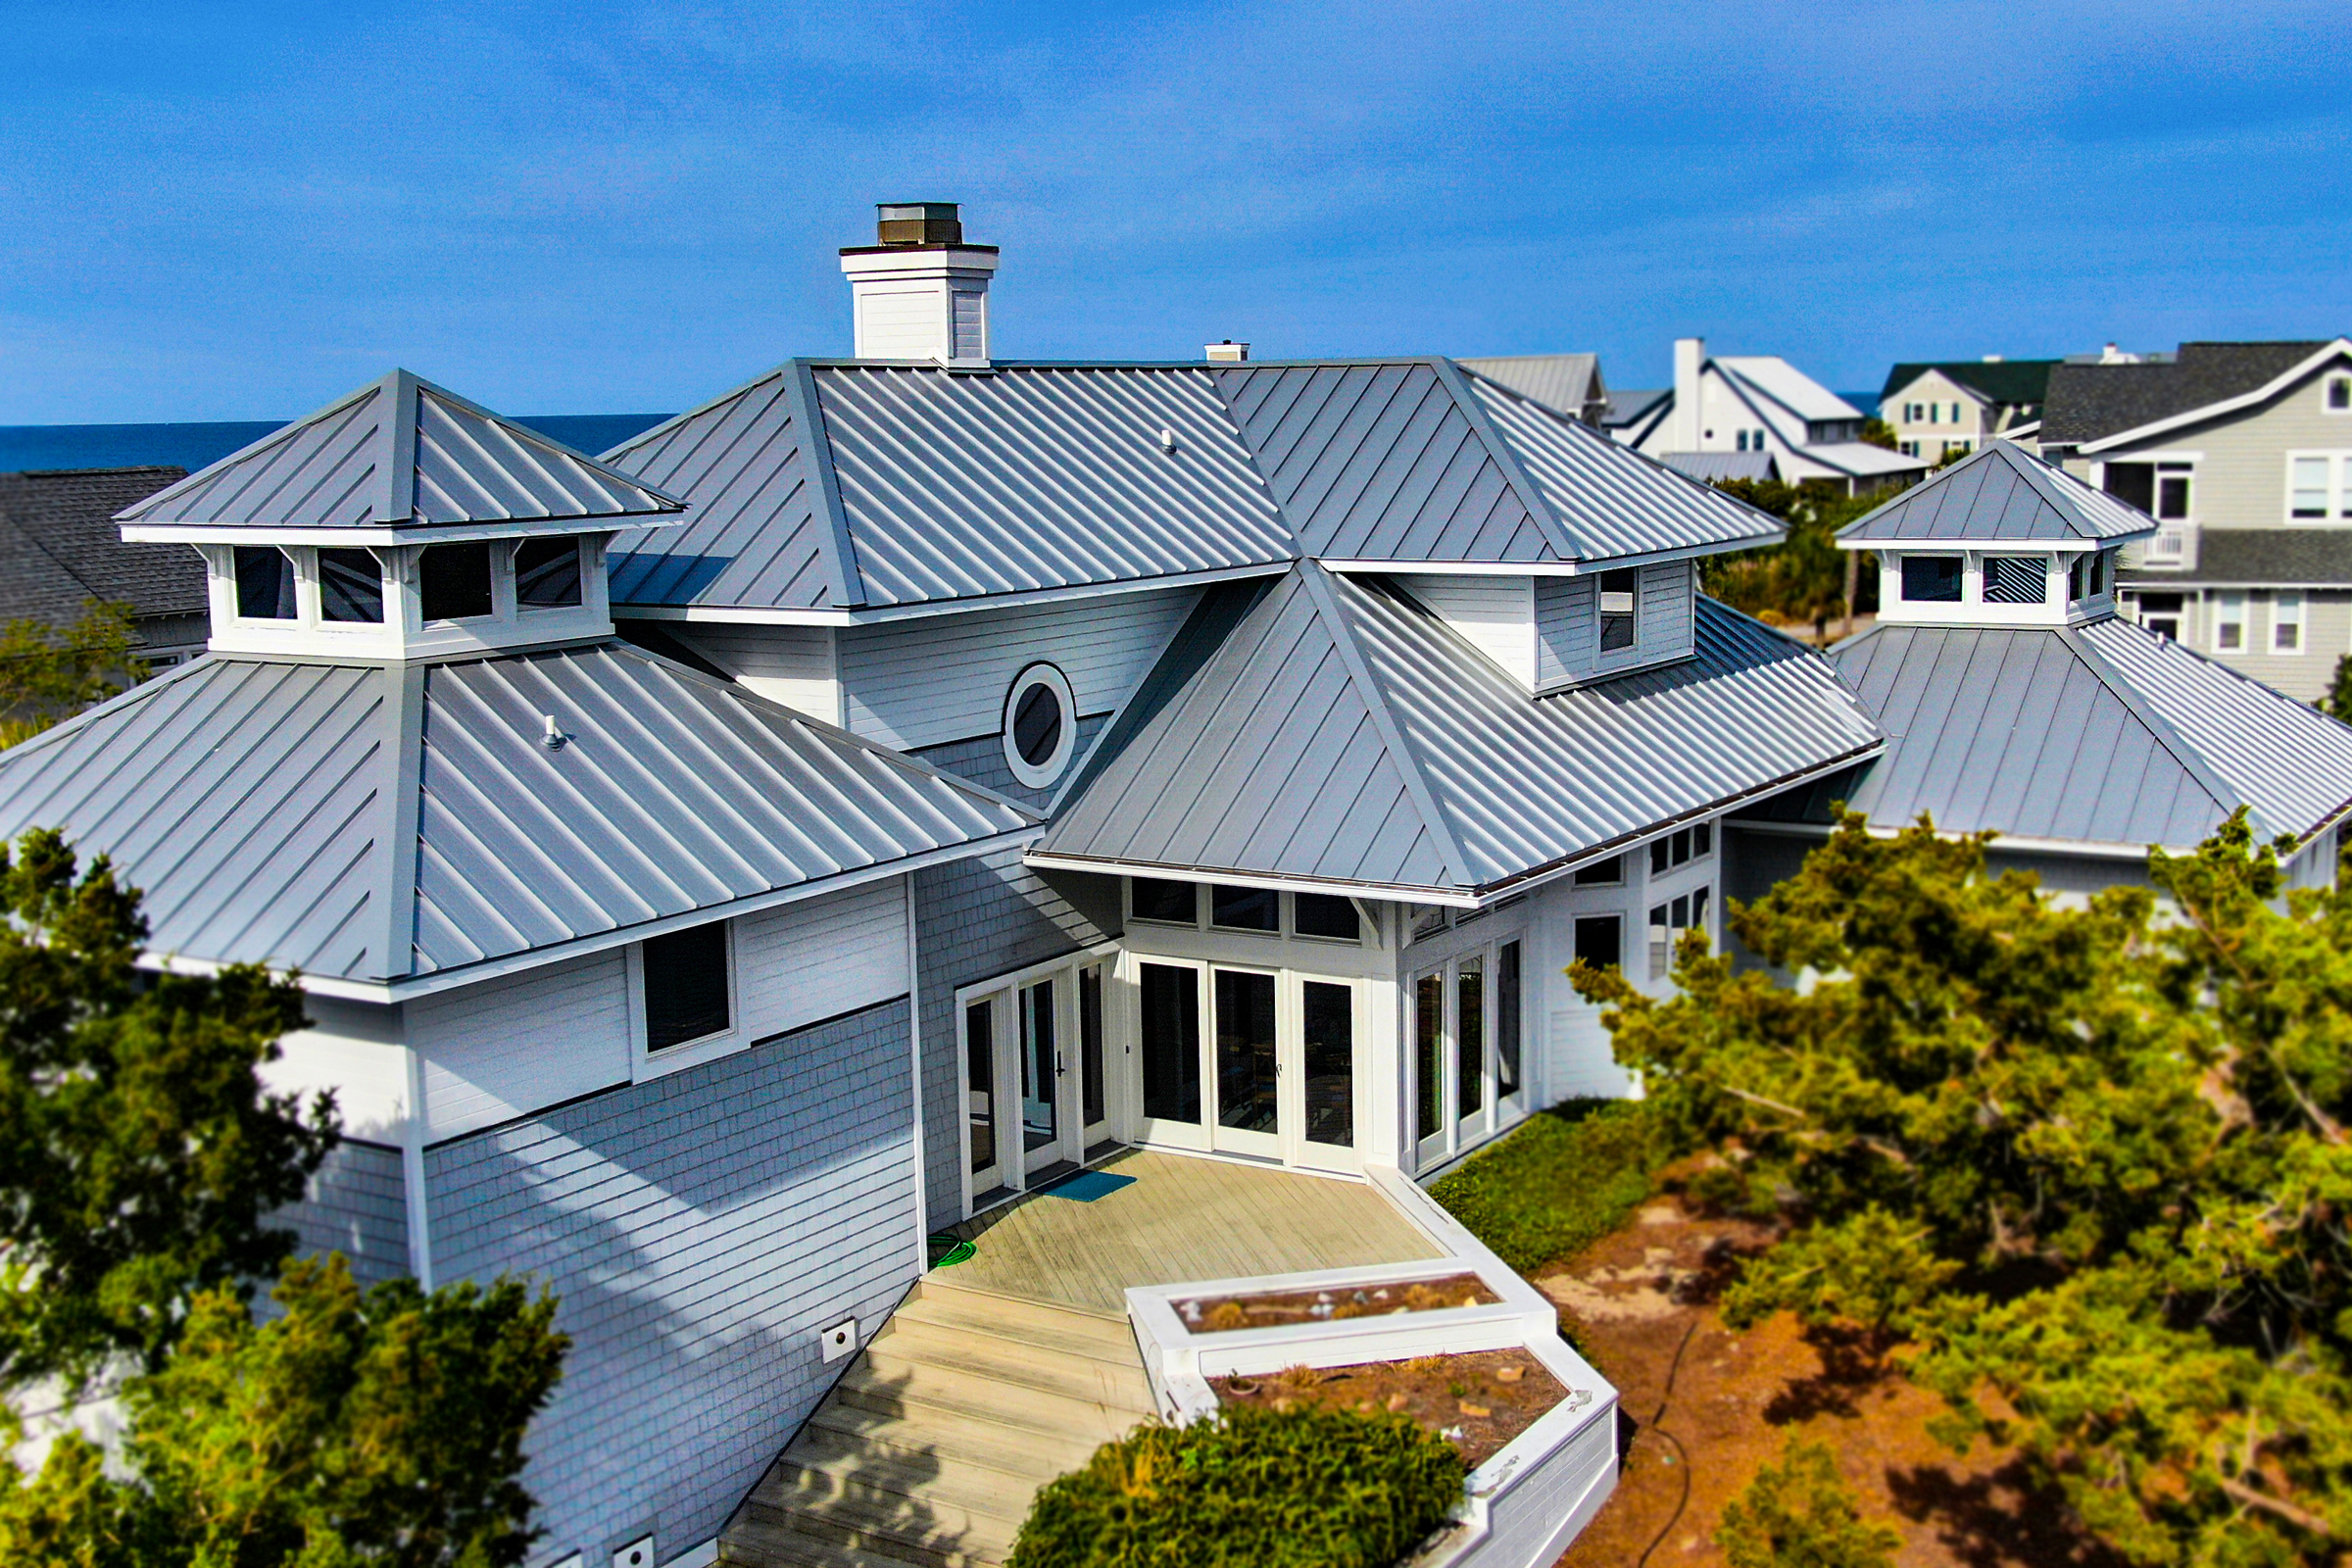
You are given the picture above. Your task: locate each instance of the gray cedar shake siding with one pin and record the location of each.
(358, 1205)
(698, 1229)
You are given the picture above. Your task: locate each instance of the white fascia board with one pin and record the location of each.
(778, 616)
(2070, 545)
(579, 947)
(2080, 849)
(1406, 892)
(433, 533)
(1548, 569)
(2341, 348)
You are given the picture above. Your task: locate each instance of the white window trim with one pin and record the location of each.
(2221, 617)
(1041, 775)
(2282, 600)
(2337, 510)
(645, 1064)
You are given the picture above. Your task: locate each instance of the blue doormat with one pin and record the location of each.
(1086, 1186)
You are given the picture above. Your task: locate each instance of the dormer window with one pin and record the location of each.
(546, 573)
(351, 586)
(265, 583)
(452, 582)
(2013, 580)
(1617, 591)
(1932, 579)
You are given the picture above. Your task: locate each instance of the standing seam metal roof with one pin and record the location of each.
(1343, 735)
(1999, 494)
(256, 802)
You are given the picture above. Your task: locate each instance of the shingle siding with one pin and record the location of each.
(976, 919)
(698, 1229)
(356, 1204)
(1568, 626)
(981, 759)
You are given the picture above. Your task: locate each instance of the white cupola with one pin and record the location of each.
(919, 292)
(402, 522)
(1998, 539)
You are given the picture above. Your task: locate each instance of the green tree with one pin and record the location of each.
(1877, 432)
(1802, 579)
(51, 674)
(138, 1155)
(2091, 1159)
(2338, 704)
(1800, 1514)
(381, 1428)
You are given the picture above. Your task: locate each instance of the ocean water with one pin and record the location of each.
(193, 445)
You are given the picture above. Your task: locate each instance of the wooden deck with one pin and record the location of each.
(1183, 1218)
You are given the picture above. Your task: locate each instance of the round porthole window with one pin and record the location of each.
(1040, 725)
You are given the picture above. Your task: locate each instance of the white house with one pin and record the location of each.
(1757, 404)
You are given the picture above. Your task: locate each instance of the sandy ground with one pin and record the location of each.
(1703, 1406)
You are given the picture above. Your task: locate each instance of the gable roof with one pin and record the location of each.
(374, 825)
(1342, 738)
(400, 454)
(1713, 467)
(1999, 494)
(2013, 382)
(1776, 379)
(2103, 734)
(2090, 402)
(844, 486)
(1566, 383)
(60, 548)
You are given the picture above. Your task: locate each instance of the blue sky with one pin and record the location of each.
(238, 211)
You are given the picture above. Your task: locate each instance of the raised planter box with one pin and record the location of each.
(1526, 1503)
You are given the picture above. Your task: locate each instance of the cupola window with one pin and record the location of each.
(351, 586)
(1040, 725)
(453, 581)
(546, 573)
(1932, 579)
(2013, 580)
(265, 583)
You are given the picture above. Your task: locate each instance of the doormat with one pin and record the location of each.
(1086, 1186)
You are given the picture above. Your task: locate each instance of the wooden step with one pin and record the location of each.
(756, 1543)
(823, 1461)
(1022, 1453)
(984, 1311)
(1021, 1414)
(902, 1345)
(943, 1536)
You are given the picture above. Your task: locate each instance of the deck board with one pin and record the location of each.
(1183, 1218)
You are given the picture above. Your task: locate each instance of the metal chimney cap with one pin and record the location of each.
(917, 223)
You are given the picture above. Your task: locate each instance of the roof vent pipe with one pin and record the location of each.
(919, 292)
(1226, 353)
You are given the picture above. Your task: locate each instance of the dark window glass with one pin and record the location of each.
(1156, 900)
(1320, 914)
(351, 586)
(1658, 850)
(1330, 1040)
(2171, 496)
(1245, 908)
(1617, 591)
(1171, 1041)
(1429, 1060)
(1470, 1037)
(546, 573)
(980, 1078)
(1089, 1042)
(1702, 839)
(1040, 1067)
(1037, 723)
(1606, 873)
(1598, 940)
(2339, 394)
(2015, 579)
(1247, 1097)
(265, 583)
(2074, 576)
(1506, 1019)
(453, 581)
(685, 984)
(2160, 604)
(2132, 484)
(1932, 579)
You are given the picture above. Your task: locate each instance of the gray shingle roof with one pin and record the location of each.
(261, 805)
(1999, 494)
(399, 453)
(60, 548)
(2089, 401)
(2102, 734)
(1340, 736)
(2272, 557)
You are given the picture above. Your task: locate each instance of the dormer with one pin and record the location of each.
(1557, 631)
(1998, 539)
(402, 521)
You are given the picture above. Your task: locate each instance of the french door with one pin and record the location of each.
(1468, 1031)
(1248, 1062)
(1037, 1075)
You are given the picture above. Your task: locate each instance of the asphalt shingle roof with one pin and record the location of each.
(2086, 401)
(2266, 558)
(60, 547)
(2017, 381)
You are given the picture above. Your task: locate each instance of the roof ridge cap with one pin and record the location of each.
(1318, 582)
(816, 450)
(1549, 523)
(2045, 484)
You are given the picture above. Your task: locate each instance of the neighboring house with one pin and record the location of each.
(60, 548)
(2015, 701)
(2242, 453)
(1566, 383)
(1938, 408)
(1756, 403)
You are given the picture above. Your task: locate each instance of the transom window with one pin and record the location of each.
(1681, 847)
(1040, 725)
(1608, 873)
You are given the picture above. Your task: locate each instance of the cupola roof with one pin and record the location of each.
(1999, 495)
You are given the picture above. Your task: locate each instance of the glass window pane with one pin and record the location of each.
(351, 586)
(1330, 1030)
(2171, 496)
(2132, 484)
(1658, 850)
(1470, 1037)
(1606, 873)
(1932, 579)
(1682, 846)
(1702, 839)
(685, 984)
(1037, 724)
(1598, 939)
(2015, 579)
(1429, 1060)
(1661, 943)
(1090, 1040)
(980, 1078)
(2310, 487)
(1172, 902)
(1245, 908)
(546, 573)
(265, 583)
(1171, 1041)
(1506, 1020)
(1245, 1084)
(1319, 914)
(1038, 1066)
(453, 581)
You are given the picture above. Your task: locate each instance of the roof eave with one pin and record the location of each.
(2221, 407)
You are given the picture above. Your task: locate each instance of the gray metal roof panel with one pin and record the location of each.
(1710, 468)
(1343, 734)
(1566, 383)
(1998, 494)
(253, 800)
(400, 452)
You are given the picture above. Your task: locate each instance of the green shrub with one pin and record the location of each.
(1800, 1514)
(1563, 1180)
(1249, 1489)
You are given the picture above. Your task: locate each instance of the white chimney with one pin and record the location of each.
(1682, 427)
(1226, 353)
(919, 292)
